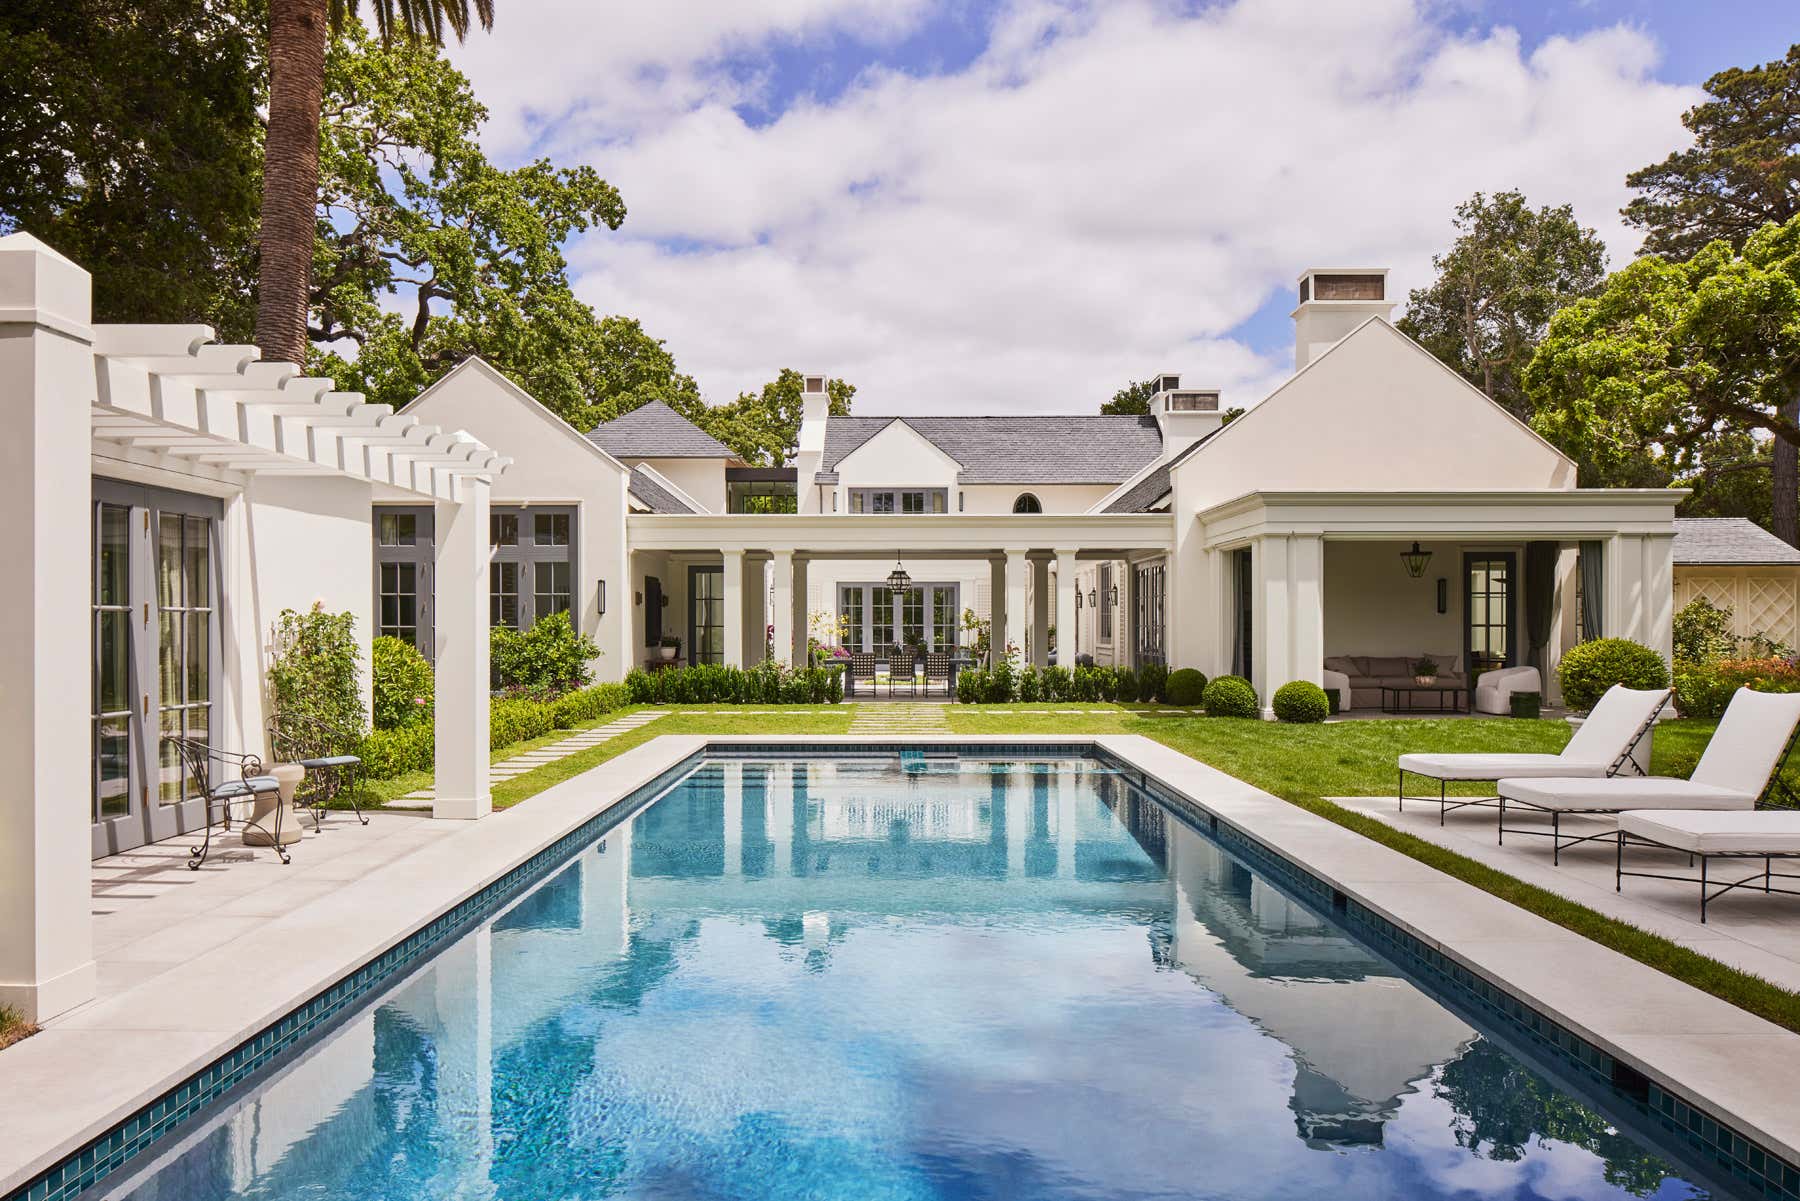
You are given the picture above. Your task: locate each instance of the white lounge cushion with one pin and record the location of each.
(1618, 793)
(1618, 718)
(1759, 832)
(1498, 766)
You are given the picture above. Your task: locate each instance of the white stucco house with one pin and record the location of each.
(1372, 510)
(171, 495)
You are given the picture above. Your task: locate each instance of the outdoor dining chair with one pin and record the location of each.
(938, 670)
(325, 752)
(900, 671)
(862, 671)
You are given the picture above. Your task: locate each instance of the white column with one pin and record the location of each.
(997, 606)
(1269, 621)
(1656, 626)
(1306, 610)
(798, 654)
(756, 609)
(1065, 607)
(1121, 613)
(1040, 612)
(781, 575)
(460, 789)
(46, 747)
(1015, 599)
(732, 583)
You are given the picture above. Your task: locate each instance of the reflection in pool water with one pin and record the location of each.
(844, 979)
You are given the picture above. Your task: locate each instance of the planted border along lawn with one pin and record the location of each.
(13, 1027)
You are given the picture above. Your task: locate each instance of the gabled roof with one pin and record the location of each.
(1723, 541)
(476, 365)
(648, 490)
(1072, 449)
(655, 431)
(1143, 496)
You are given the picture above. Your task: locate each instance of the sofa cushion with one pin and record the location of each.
(1447, 664)
(1390, 666)
(1343, 663)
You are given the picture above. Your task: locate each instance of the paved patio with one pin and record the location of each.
(1752, 931)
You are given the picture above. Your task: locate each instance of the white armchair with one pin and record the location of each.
(1494, 689)
(1330, 680)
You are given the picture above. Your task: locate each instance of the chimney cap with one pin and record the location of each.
(813, 383)
(1354, 285)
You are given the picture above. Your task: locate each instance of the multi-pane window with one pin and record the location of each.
(531, 569)
(184, 613)
(706, 612)
(899, 500)
(875, 621)
(112, 662)
(399, 616)
(403, 561)
(1148, 626)
(1105, 601)
(503, 594)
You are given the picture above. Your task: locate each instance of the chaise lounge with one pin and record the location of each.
(1735, 771)
(1602, 747)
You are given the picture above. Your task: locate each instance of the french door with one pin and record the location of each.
(1489, 605)
(155, 646)
(706, 615)
(927, 615)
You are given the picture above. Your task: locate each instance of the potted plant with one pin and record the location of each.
(1425, 671)
(669, 647)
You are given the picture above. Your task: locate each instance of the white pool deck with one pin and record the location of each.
(192, 963)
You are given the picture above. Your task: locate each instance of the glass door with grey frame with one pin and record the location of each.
(155, 645)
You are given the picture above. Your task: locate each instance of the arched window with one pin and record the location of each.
(1027, 503)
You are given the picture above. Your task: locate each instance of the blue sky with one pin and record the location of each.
(1032, 201)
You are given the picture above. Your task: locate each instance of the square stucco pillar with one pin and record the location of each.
(1288, 625)
(1066, 583)
(781, 603)
(755, 611)
(996, 608)
(1040, 612)
(732, 583)
(1016, 615)
(802, 626)
(461, 789)
(46, 747)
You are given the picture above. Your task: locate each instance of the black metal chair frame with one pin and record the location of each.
(900, 668)
(1447, 806)
(307, 741)
(862, 667)
(1710, 890)
(939, 667)
(1560, 840)
(197, 759)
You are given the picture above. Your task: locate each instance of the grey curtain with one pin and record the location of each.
(1593, 588)
(1540, 598)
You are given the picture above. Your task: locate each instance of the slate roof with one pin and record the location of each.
(1721, 541)
(1142, 495)
(1019, 450)
(655, 431)
(658, 498)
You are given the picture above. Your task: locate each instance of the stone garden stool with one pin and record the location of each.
(256, 834)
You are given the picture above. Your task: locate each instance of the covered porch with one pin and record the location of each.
(176, 495)
(738, 589)
(1328, 587)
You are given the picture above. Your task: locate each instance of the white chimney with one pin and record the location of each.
(1184, 415)
(1334, 301)
(809, 455)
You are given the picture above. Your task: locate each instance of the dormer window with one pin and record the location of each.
(1027, 503)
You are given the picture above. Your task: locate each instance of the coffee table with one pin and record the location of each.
(1450, 698)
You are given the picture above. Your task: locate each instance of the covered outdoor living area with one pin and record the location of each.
(1352, 590)
(889, 589)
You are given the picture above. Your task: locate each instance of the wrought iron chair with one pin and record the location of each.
(198, 760)
(900, 670)
(318, 747)
(862, 671)
(938, 670)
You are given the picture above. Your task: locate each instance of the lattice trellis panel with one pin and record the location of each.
(1721, 591)
(1768, 608)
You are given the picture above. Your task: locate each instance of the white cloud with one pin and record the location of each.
(1107, 191)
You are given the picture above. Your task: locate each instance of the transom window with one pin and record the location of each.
(899, 500)
(531, 568)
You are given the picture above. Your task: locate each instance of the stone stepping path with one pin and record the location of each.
(531, 760)
(892, 719)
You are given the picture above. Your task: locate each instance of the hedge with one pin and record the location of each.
(1301, 701)
(387, 753)
(1230, 696)
(1588, 669)
(1704, 689)
(768, 683)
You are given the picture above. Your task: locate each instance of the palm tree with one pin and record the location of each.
(298, 33)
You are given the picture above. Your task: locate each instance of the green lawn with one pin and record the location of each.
(1301, 764)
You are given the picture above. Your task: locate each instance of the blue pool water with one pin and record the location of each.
(854, 979)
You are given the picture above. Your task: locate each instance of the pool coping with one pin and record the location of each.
(92, 1071)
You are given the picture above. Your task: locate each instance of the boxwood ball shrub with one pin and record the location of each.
(1301, 701)
(1230, 696)
(1588, 669)
(1185, 687)
(1125, 686)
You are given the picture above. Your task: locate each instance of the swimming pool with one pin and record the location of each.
(936, 977)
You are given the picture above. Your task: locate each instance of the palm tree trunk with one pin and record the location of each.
(298, 30)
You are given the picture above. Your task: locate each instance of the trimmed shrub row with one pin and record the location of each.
(1005, 683)
(768, 683)
(392, 752)
(1704, 689)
